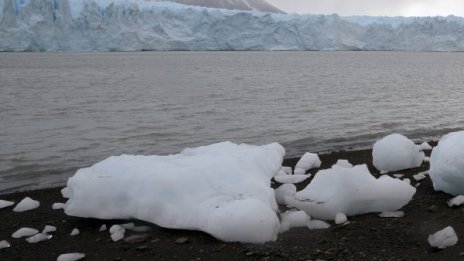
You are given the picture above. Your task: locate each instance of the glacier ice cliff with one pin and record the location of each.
(135, 25)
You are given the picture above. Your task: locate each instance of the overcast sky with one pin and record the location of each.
(373, 7)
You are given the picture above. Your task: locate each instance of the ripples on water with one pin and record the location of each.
(63, 111)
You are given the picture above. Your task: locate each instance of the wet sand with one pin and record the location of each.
(367, 237)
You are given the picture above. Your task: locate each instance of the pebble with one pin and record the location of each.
(136, 239)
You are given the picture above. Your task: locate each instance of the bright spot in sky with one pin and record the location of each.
(373, 7)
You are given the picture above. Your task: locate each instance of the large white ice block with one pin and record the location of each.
(396, 152)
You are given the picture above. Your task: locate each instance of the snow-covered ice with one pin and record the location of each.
(350, 191)
(5, 203)
(292, 218)
(291, 179)
(121, 25)
(283, 192)
(75, 232)
(57, 206)
(308, 161)
(47, 229)
(396, 152)
(456, 201)
(392, 214)
(24, 232)
(447, 164)
(26, 204)
(444, 238)
(117, 232)
(4, 244)
(340, 218)
(317, 224)
(222, 189)
(70, 257)
(38, 238)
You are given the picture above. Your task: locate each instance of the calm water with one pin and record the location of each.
(60, 112)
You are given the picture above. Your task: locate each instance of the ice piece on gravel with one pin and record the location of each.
(318, 224)
(396, 152)
(24, 232)
(5, 203)
(419, 176)
(115, 228)
(456, 201)
(284, 191)
(117, 232)
(398, 176)
(447, 164)
(65, 192)
(128, 226)
(407, 181)
(291, 219)
(340, 218)
(57, 206)
(102, 228)
(392, 214)
(70, 257)
(47, 229)
(26, 204)
(425, 146)
(344, 163)
(75, 232)
(351, 191)
(444, 238)
(417, 185)
(4, 244)
(222, 189)
(38, 238)
(291, 179)
(426, 159)
(308, 161)
(287, 170)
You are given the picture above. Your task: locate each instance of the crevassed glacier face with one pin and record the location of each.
(123, 25)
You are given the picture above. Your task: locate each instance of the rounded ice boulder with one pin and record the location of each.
(447, 164)
(396, 152)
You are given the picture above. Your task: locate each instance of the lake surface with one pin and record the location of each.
(63, 111)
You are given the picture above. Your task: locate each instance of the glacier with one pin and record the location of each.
(138, 25)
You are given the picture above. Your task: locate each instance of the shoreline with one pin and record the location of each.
(367, 237)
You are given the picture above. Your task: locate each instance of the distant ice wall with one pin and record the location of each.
(134, 25)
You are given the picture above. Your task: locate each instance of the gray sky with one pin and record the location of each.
(373, 7)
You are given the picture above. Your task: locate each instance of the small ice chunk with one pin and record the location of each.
(398, 176)
(426, 159)
(407, 181)
(65, 192)
(56, 206)
(287, 170)
(115, 228)
(128, 226)
(48, 229)
(141, 229)
(24, 232)
(75, 232)
(344, 163)
(117, 232)
(396, 152)
(419, 176)
(299, 171)
(425, 146)
(392, 214)
(38, 238)
(456, 201)
(281, 173)
(5, 203)
(292, 219)
(308, 161)
(318, 224)
(291, 179)
(102, 228)
(340, 218)
(283, 192)
(417, 185)
(26, 204)
(444, 238)
(4, 244)
(70, 257)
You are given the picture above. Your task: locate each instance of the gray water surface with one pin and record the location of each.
(63, 111)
